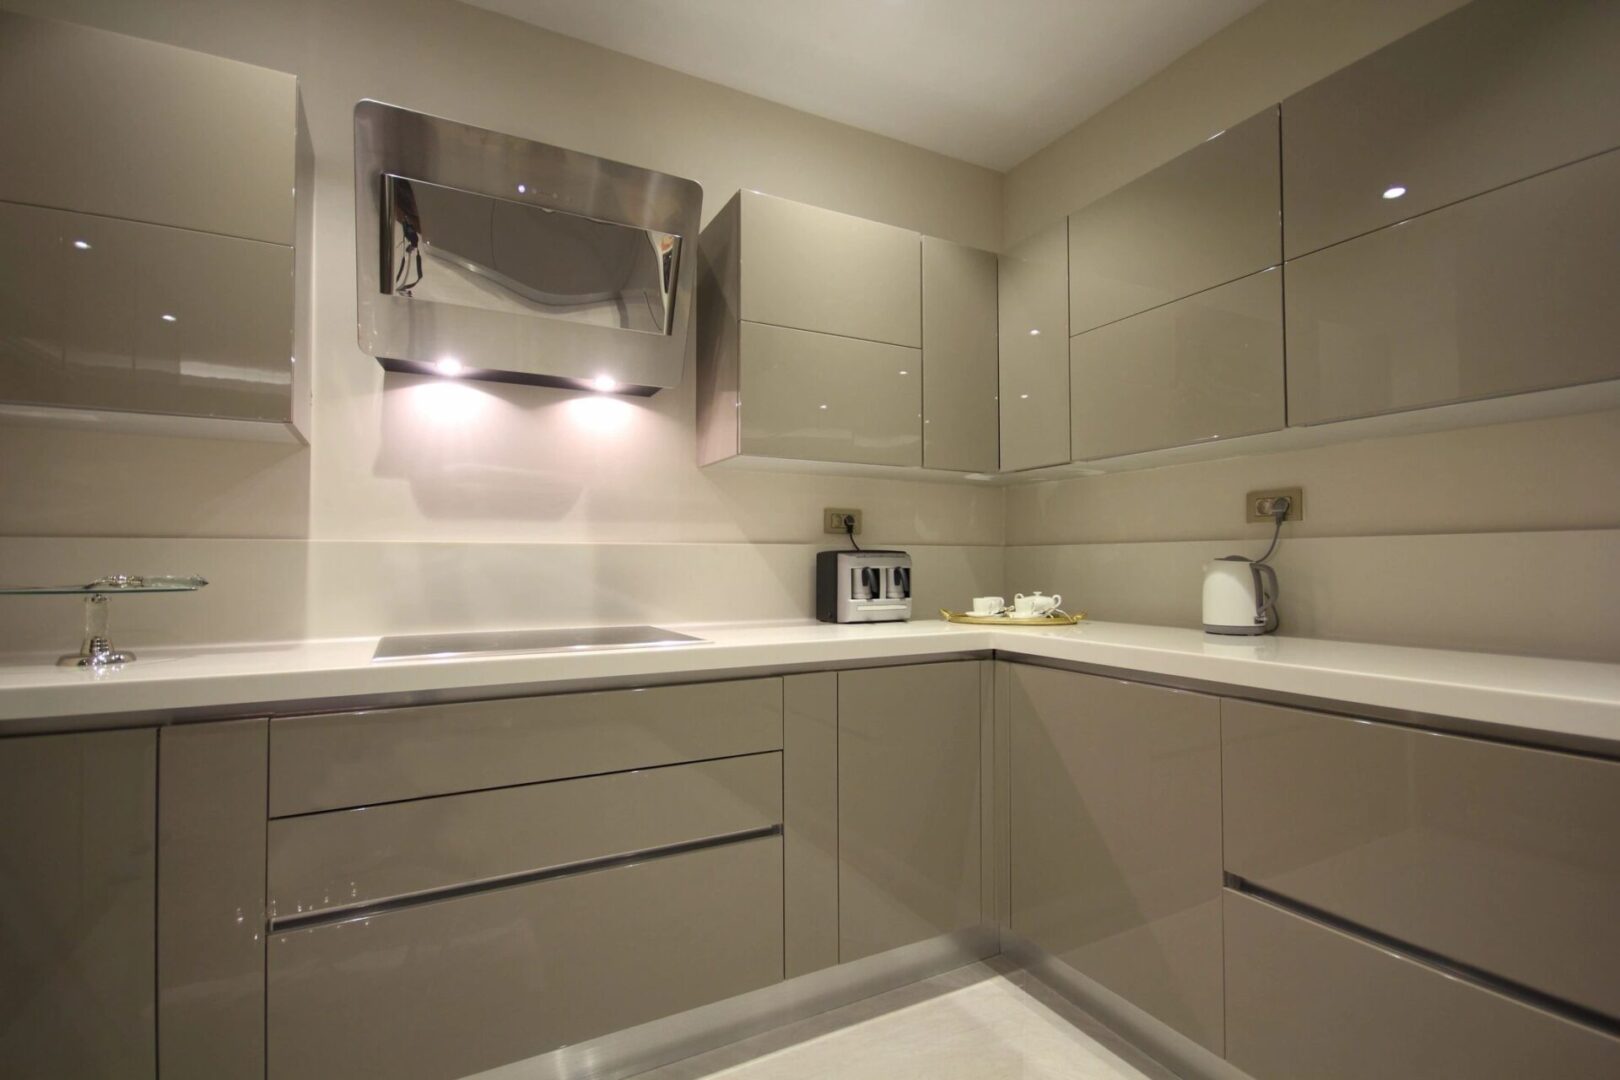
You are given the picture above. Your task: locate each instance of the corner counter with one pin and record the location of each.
(1568, 703)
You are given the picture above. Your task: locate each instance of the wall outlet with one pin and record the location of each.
(833, 520)
(1258, 504)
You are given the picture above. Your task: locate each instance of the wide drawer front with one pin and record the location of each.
(323, 863)
(1505, 293)
(99, 313)
(1503, 858)
(1207, 367)
(1306, 1000)
(452, 987)
(356, 759)
(829, 398)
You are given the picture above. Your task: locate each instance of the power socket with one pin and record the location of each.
(832, 520)
(1257, 504)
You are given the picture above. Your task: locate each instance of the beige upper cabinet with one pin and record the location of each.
(149, 212)
(105, 314)
(959, 342)
(1116, 839)
(1034, 329)
(1176, 304)
(820, 397)
(811, 343)
(814, 269)
(1207, 217)
(105, 124)
(1203, 368)
(909, 828)
(1494, 92)
(1508, 292)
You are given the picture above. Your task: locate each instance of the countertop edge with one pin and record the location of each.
(1556, 700)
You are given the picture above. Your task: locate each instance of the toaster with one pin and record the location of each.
(863, 586)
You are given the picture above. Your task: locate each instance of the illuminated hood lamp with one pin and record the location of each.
(451, 367)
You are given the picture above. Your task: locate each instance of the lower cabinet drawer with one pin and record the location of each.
(1307, 1000)
(320, 863)
(1503, 858)
(454, 986)
(337, 760)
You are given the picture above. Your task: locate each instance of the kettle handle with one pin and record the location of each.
(1265, 599)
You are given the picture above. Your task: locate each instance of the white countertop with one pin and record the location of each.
(1555, 697)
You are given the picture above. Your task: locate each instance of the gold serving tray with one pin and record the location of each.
(1062, 619)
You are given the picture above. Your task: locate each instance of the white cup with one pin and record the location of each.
(1035, 605)
(989, 605)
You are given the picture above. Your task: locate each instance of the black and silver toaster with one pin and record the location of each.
(863, 586)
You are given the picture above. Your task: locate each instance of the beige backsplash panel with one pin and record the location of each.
(278, 590)
(1535, 593)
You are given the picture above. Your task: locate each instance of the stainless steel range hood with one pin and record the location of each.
(485, 256)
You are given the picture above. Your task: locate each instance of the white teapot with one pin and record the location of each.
(1035, 605)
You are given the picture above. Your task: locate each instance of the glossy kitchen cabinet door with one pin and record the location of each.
(121, 127)
(452, 987)
(1492, 93)
(719, 331)
(1500, 857)
(210, 904)
(815, 269)
(112, 315)
(77, 879)
(909, 827)
(810, 821)
(331, 862)
(1034, 329)
(335, 760)
(828, 398)
(1116, 839)
(1306, 1000)
(1203, 368)
(1508, 292)
(1210, 216)
(960, 368)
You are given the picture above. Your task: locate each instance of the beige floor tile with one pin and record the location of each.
(991, 1029)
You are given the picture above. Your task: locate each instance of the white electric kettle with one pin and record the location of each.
(1240, 596)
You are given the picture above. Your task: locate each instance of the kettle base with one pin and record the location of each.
(1236, 631)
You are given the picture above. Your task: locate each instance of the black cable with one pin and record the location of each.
(849, 530)
(1275, 535)
(1279, 510)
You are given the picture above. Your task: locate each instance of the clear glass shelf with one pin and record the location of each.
(97, 650)
(119, 583)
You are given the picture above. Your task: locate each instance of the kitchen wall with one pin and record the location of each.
(424, 505)
(492, 487)
(1504, 538)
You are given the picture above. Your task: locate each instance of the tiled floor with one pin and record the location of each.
(978, 1024)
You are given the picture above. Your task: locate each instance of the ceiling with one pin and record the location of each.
(986, 81)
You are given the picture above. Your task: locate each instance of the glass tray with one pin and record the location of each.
(118, 583)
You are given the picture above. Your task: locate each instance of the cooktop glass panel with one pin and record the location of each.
(497, 642)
